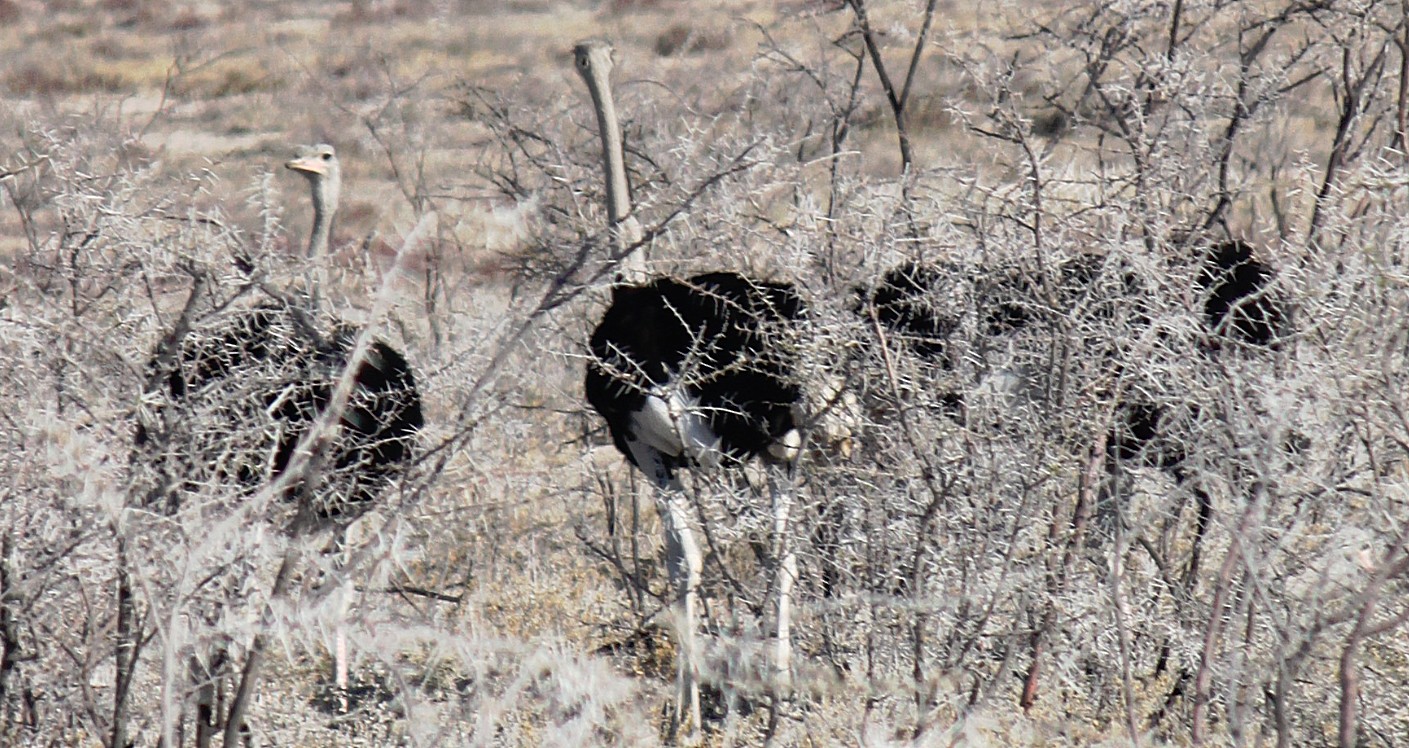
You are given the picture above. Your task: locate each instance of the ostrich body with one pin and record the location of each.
(694, 369)
(904, 306)
(692, 373)
(243, 393)
(1239, 304)
(914, 306)
(288, 376)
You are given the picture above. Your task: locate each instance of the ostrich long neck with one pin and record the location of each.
(614, 164)
(324, 206)
(625, 230)
(326, 188)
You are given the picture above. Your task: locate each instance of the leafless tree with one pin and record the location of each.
(981, 559)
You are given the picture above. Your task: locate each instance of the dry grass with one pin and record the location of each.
(533, 635)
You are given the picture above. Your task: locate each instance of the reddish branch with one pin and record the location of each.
(1396, 564)
(1081, 516)
(1203, 679)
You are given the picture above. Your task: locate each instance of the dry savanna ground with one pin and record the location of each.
(979, 564)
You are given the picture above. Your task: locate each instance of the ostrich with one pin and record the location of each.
(908, 303)
(1145, 434)
(378, 425)
(912, 305)
(244, 394)
(692, 373)
(902, 304)
(1013, 302)
(272, 359)
(1239, 305)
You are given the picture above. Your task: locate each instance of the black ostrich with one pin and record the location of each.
(697, 371)
(1239, 306)
(378, 424)
(904, 305)
(1099, 289)
(692, 373)
(1239, 303)
(241, 394)
(912, 304)
(283, 369)
(1096, 287)
(1015, 310)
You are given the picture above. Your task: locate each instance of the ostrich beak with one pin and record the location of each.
(308, 165)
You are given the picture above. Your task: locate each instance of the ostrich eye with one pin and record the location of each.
(327, 156)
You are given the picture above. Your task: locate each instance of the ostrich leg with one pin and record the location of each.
(685, 562)
(781, 487)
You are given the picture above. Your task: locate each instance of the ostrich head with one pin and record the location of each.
(319, 164)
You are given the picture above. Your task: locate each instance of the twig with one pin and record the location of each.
(1081, 516)
(235, 718)
(897, 100)
(401, 589)
(1203, 677)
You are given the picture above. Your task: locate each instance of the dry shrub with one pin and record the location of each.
(976, 566)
